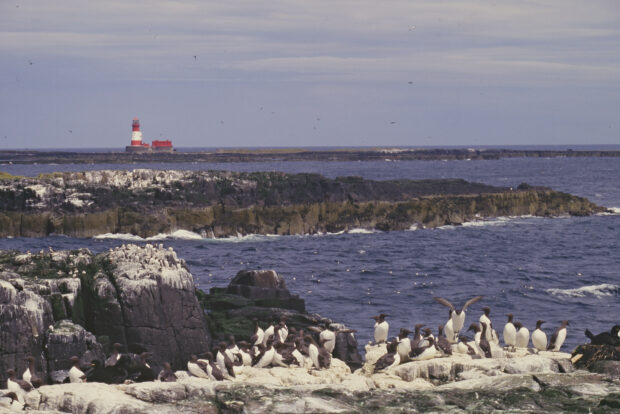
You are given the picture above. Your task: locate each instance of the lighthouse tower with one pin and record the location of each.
(136, 135)
(136, 138)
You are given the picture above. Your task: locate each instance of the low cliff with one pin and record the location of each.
(54, 305)
(220, 204)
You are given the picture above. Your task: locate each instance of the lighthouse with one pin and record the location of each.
(138, 146)
(136, 138)
(136, 135)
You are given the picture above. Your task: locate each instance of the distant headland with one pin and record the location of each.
(290, 154)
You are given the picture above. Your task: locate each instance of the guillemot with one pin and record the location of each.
(19, 387)
(166, 374)
(30, 374)
(381, 328)
(523, 335)
(388, 360)
(484, 344)
(425, 352)
(223, 362)
(442, 342)
(539, 338)
(75, 373)
(510, 333)
(457, 315)
(558, 337)
(404, 344)
(197, 368)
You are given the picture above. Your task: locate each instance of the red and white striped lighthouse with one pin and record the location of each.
(136, 135)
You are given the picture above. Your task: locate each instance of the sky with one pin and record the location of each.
(301, 73)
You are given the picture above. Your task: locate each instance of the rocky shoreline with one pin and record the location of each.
(291, 154)
(222, 204)
(57, 304)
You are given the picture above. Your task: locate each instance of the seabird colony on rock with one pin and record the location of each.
(486, 343)
(278, 346)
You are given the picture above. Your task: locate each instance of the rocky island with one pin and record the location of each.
(55, 304)
(220, 204)
(292, 154)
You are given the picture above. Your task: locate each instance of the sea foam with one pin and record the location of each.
(604, 289)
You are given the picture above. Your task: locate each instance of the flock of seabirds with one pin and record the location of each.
(280, 346)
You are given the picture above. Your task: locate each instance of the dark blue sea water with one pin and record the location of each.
(535, 268)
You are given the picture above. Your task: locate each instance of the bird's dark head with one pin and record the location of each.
(193, 358)
(486, 310)
(565, 323)
(518, 325)
(29, 359)
(510, 316)
(10, 373)
(539, 323)
(75, 360)
(474, 327)
(463, 339)
(615, 329)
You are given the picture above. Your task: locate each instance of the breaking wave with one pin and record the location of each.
(604, 289)
(176, 235)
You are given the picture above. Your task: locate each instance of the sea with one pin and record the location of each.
(535, 268)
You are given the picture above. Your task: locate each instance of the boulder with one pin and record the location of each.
(149, 302)
(66, 339)
(346, 350)
(265, 288)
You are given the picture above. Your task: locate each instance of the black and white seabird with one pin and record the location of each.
(424, 352)
(329, 336)
(197, 368)
(75, 373)
(264, 358)
(457, 315)
(381, 328)
(223, 362)
(477, 338)
(30, 374)
(313, 351)
(166, 374)
(558, 337)
(19, 387)
(417, 336)
(605, 338)
(510, 333)
(442, 342)
(464, 348)
(143, 371)
(491, 335)
(523, 335)
(258, 335)
(484, 344)
(390, 359)
(115, 356)
(404, 344)
(539, 338)
(212, 369)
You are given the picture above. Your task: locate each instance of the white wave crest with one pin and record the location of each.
(361, 231)
(499, 221)
(612, 211)
(604, 289)
(178, 235)
(119, 236)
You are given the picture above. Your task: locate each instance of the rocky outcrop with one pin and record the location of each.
(220, 204)
(262, 295)
(54, 305)
(286, 390)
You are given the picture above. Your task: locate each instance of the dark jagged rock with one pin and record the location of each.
(265, 288)
(584, 356)
(262, 295)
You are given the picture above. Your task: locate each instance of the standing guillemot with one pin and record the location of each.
(457, 315)
(484, 344)
(539, 338)
(523, 335)
(491, 334)
(449, 329)
(223, 362)
(381, 328)
(258, 336)
(404, 344)
(329, 336)
(605, 338)
(19, 387)
(30, 374)
(75, 373)
(510, 333)
(390, 359)
(212, 369)
(265, 356)
(477, 337)
(313, 351)
(417, 336)
(558, 337)
(442, 342)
